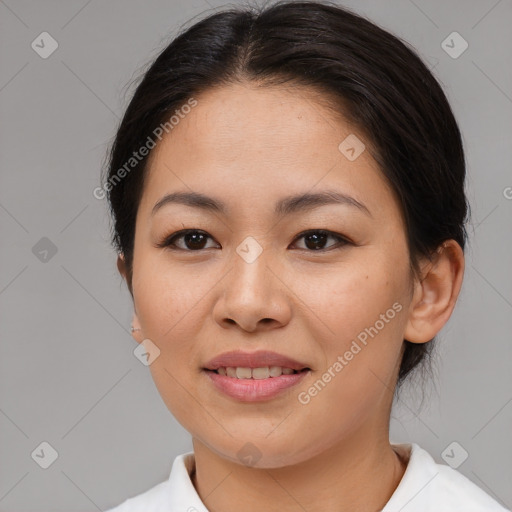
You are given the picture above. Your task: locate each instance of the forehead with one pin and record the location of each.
(266, 141)
(251, 118)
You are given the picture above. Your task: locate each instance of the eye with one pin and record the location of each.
(315, 239)
(193, 239)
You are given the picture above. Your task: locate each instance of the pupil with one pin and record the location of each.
(194, 240)
(317, 239)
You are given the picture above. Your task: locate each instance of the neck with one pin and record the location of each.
(360, 473)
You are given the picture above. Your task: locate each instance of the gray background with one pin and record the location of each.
(68, 375)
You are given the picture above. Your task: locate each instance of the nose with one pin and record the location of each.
(254, 296)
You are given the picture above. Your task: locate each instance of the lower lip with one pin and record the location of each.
(255, 390)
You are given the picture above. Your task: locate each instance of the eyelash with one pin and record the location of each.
(168, 242)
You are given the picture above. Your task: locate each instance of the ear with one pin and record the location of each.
(123, 270)
(435, 293)
(121, 265)
(137, 333)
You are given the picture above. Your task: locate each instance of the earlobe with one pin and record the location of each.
(436, 293)
(136, 329)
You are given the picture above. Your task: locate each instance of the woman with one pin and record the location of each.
(287, 189)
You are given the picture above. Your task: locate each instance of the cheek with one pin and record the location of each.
(167, 299)
(354, 296)
(170, 312)
(361, 309)
(361, 359)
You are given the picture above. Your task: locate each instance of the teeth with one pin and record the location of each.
(243, 373)
(265, 372)
(260, 373)
(275, 371)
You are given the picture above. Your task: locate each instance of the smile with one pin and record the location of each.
(265, 372)
(255, 384)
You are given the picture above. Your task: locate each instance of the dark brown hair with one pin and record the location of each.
(370, 76)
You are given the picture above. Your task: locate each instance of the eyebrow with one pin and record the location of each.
(286, 206)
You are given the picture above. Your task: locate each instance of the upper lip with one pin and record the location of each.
(259, 359)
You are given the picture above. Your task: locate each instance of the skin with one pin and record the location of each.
(250, 147)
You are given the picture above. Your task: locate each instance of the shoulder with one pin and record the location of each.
(147, 500)
(460, 493)
(428, 486)
(166, 495)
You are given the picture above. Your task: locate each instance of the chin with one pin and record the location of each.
(262, 453)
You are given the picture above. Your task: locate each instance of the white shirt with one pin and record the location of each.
(425, 487)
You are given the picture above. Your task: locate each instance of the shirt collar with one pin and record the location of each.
(421, 470)
(182, 496)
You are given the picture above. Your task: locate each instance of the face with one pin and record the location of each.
(326, 284)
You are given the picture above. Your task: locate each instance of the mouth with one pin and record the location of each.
(263, 372)
(254, 376)
(259, 363)
(251, 389)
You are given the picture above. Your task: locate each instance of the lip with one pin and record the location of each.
(257, 359)
(254, 390)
